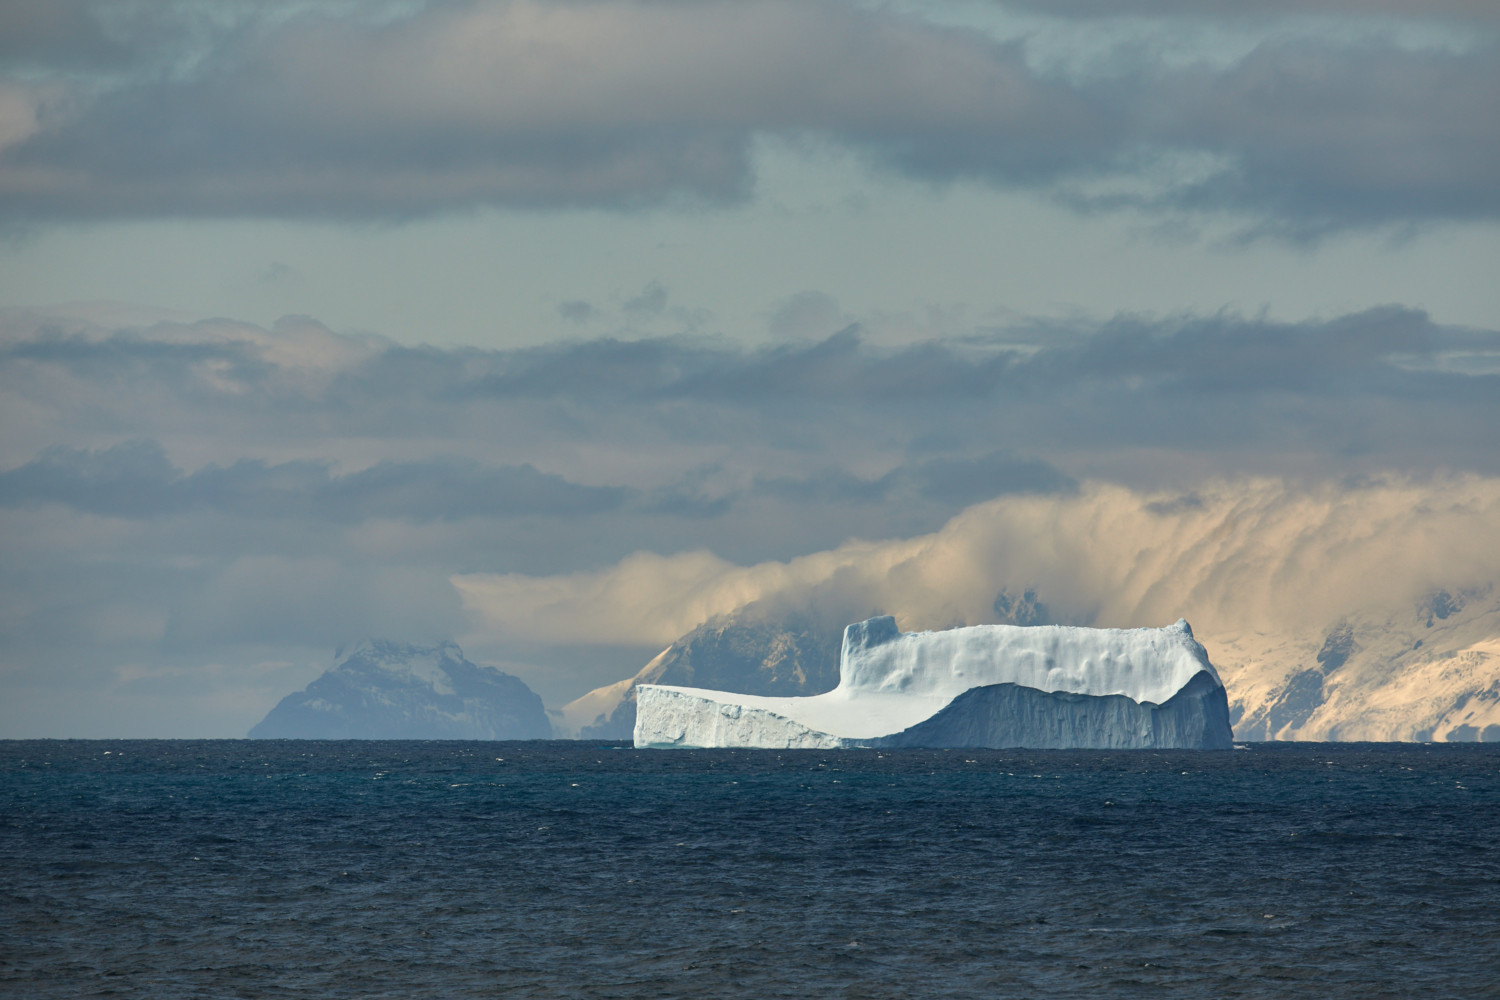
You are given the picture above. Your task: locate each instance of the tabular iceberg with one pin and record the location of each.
(1048, 686)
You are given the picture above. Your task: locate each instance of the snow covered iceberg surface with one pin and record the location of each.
(1047, 686)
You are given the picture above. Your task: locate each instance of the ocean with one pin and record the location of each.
(243, 868)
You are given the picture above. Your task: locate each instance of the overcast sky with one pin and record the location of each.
(326, 319)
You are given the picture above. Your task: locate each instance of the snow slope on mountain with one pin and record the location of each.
(589, 716)
(1431, 672)
(391, 690)
(890, 683)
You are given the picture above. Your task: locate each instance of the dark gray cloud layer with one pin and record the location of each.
(621, 103)
(136, 479)
(669, 428)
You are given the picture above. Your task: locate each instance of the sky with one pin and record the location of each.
(557, 327)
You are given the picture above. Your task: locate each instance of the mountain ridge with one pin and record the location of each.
(385, 689)
(747, 651)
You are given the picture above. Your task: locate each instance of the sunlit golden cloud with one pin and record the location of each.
(1257, 554)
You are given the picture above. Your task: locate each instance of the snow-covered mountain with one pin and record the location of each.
(743, 652)
(1429, 672)
(391, 690)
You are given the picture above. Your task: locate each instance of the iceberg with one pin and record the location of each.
(1048, 686)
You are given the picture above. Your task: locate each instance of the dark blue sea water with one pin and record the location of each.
(366, 869)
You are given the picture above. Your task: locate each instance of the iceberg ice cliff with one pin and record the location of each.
(1047, 686)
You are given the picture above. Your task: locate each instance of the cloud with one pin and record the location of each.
(1258, 555)
(1026, 407)
(806, 315)
(314, 601)
(970, 480)
(57, 33)
(329, 113)
(651, 301)
(960, 481)
(1478, 10)
(136, 479)
(1315, 137)
(576, 311)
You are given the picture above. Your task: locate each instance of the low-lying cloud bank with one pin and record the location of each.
(337, 111)
(1232, 556)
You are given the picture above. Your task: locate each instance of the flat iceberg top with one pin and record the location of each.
(889, 681)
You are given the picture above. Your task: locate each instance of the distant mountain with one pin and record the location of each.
(1431, 673)
(740, 652)
(383, 690)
